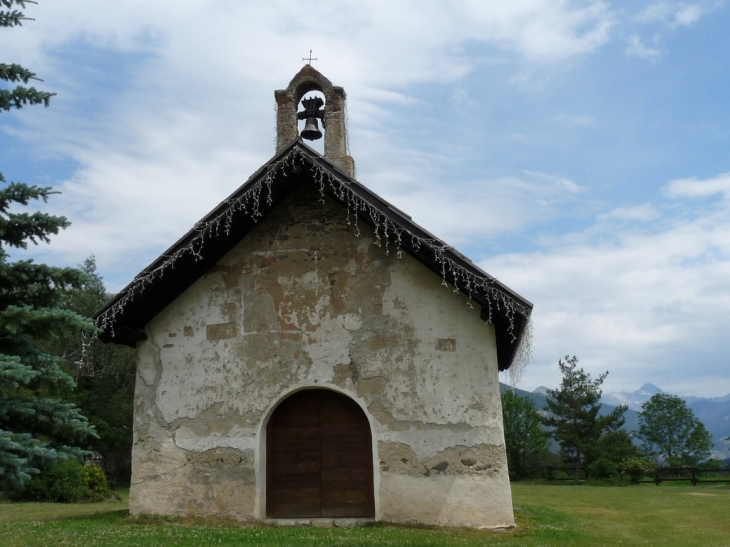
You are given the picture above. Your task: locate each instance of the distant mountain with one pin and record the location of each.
(633, 399)
(724, 399)
(713, 412)
(540, 399)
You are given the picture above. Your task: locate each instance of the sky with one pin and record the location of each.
(577, 150)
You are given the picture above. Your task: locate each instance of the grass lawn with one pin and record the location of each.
(547, 515)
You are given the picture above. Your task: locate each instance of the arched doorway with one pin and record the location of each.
(319, 458)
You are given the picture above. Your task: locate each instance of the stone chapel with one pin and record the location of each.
(300, 357)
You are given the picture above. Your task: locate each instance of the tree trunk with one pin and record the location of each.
(577, 468)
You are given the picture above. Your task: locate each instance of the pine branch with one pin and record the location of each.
(24, 283)
(17, 192)
(12, 18)
(16, 73)
(13, 373)
(16, 320)
(37, 227)
(45, 418)
(17, 228)
(21, 96)
(10, 3)
(16, 453)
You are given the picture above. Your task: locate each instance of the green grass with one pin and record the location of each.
(547, 515)
(666, 515)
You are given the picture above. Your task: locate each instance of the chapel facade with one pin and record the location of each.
(298, 356)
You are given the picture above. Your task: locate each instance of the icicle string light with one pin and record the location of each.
(385, 228)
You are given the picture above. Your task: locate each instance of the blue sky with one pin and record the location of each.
(577, 150)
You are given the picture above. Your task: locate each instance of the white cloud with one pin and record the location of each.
(664, 18)
(687, 15)
(186, 127)
(467, 212)
(639, 213)
(695, 188)
(480, 210)
(637, 48)
(676, 13)
(421, 40)
(658, 11)
(557, 182)
(643, 305)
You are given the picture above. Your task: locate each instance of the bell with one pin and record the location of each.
(311, 130)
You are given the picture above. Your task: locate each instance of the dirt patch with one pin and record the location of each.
(701, 494)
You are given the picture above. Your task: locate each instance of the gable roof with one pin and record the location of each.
(123, 318)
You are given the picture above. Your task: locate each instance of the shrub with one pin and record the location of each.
(602, 468)
(96, 482)
(637, 467)
(63, 482)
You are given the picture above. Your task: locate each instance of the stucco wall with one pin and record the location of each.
(301, 302)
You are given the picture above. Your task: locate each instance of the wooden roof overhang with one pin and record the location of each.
(124, 317)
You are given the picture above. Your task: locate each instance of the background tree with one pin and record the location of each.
(105, 375)
(671, 433)
(37, 426)
(604, 458)
(573, 412)
(526, 441)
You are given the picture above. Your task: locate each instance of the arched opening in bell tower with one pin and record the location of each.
(311, 124)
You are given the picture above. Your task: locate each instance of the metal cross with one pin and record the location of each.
(309, 61)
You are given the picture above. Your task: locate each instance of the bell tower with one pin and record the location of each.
(332, 115)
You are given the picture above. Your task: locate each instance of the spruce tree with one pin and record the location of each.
(574, 412)
(37, 427)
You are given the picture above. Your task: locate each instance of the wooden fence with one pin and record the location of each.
(548, 472)
(692, 474)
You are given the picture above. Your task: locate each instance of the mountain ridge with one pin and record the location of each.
(713, 412)
(635, 399)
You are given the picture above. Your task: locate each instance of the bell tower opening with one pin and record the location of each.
(311, 119)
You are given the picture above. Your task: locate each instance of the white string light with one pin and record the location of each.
(385, 228)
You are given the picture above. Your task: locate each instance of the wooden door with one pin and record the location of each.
(319, 458)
